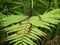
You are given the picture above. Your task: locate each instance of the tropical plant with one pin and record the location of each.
(22, 25)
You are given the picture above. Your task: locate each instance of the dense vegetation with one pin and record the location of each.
(29, 22)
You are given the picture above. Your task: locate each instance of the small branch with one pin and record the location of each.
(31, 8)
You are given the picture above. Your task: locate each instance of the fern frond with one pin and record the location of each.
(13, 19)
(19, 34)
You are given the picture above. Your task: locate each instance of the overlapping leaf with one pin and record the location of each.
(21, 34)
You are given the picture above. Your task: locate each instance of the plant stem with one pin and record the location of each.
(31, 7)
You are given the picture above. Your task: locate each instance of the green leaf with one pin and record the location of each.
(37, 22)
(13, 19)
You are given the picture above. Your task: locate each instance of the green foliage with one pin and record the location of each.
(24, 32)
(19, 28)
